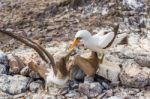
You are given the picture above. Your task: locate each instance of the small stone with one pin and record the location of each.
(134, 76)
(77, 73)
(114, 97)
(114, 83)
(34, 75)
(88, 79)
(109, 70)
(48, 39)
(90, 89)
(13, 84)
(3, 69)
(34, 86)
(60, 97)
(72, 94)
(84, 97)
(3, 58)
(132, 92)
(5, 95)
(140, 94)
(64, 90)
(147, 93)
(109, 93)
(42, 96)
(48, 97)
(25, 71)
(53, 91)
(105, 85)
(74, 84)
(143, 61)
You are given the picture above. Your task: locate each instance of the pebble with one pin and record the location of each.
(72, 94)
(13, 84)
(34, 86)
(3, 69)
(25, 71)
(90, 89)
(34, 75)
(3, 58)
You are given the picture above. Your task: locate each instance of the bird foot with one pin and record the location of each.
(46, 88)
(101, 57)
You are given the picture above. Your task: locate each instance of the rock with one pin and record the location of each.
(109, 93)
(90, 89)
(109, 71)
(15, 64)
(83, 97)
(114, 97)
(133, 4)
(3, 58)
(147, 93)
(3, 69)
(77, 73)
(25, 71)
(5, 96)
(60, 97)
(76, 3)
(143, 61)
(73, 94)
(13, 84)
(18, 96)
(43, 96)
(114, 84)
(48, 39)
(88, 79)
(64, 90)
(34, 86)
(140, 94)
(53, 91)
(105, 85)
(34, 75)
(134, 76)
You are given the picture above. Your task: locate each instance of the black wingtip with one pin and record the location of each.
(124, 41)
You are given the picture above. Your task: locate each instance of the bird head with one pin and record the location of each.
(80, 35)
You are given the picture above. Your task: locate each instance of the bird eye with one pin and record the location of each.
(106, 32)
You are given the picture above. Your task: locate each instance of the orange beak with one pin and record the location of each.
(74, 44)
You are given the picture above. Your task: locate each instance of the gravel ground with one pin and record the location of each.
(44, 22)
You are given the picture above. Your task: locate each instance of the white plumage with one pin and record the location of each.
(95, 42)
(52, 78)
(99, 41)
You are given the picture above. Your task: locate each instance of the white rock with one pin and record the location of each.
(134, 76)
(109, 71)
(13, 84)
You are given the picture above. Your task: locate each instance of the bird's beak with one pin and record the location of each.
(75, 43)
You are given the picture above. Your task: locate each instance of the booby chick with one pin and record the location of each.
(53, 71)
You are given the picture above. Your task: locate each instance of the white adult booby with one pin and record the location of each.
(97, 42)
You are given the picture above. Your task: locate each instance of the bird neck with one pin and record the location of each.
(61, 68)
